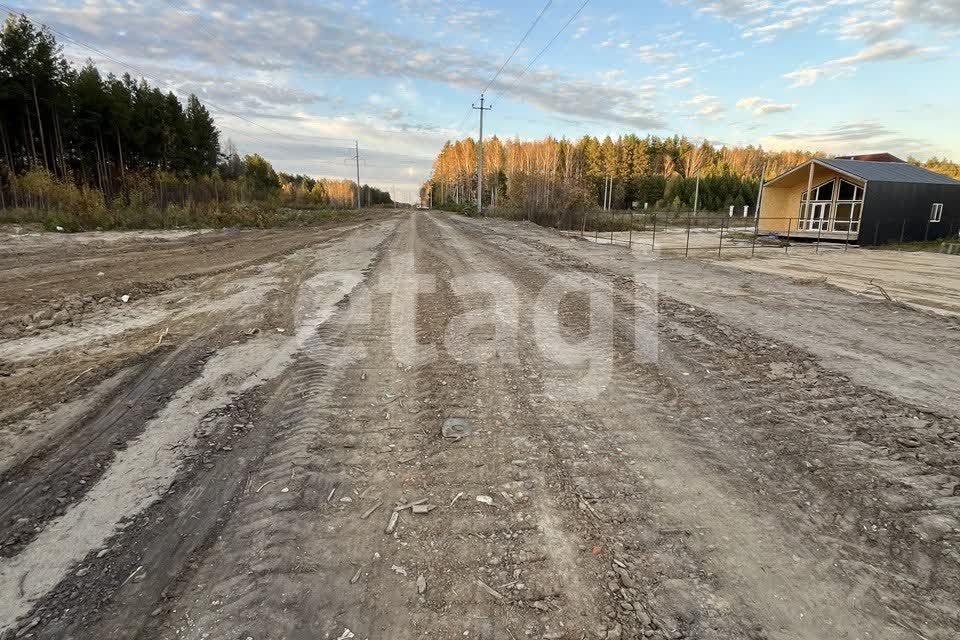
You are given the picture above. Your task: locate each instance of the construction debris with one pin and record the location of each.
(483, 585)
(392, 524)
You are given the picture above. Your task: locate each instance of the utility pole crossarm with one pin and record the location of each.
(481, 109)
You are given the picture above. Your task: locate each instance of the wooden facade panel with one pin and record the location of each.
(781, 199)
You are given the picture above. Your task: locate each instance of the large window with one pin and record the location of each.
(820, 214)
(936, 212)
(849, 191)
(821, 193)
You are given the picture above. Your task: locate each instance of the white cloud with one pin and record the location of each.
(710, 110)
(761, 106)
(862, 26)
(679, 82)
(273, 39)
(852, 137)
(885, 50)
(772, 107)
(701, 98)
(705, 105)
(762, 20)
(654, 54)
(881, 51)
(936, 13)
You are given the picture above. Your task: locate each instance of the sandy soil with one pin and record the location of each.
(925, 280)
(654, 448)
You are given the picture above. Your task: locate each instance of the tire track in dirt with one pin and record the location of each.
(868, 494)
(293, 532)
(231, 366)
(653, 585)
(354, 575)
(26, 288)
(46, 484)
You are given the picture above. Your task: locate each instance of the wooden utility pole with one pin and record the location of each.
(763, 177)
(481, 109)
(356, 156)
(696, 196)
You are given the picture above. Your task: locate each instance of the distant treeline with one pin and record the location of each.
(108, 150)
(564, 174)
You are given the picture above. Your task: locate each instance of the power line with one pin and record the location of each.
(544, 50)
(503, 66)
(519, 44)
(481, 109)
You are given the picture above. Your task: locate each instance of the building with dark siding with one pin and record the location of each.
(852, 199)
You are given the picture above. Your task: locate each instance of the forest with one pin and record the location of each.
(652, 172)
(84, 150)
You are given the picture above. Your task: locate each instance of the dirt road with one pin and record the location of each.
(426, 426)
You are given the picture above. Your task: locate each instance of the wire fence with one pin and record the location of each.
(686, 234)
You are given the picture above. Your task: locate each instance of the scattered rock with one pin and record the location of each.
(424, 508)
(456, 429)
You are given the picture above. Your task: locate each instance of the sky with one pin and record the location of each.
(299, 81)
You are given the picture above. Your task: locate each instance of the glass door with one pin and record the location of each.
(819, 216)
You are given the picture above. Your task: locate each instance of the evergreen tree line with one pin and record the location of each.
(77, 124)
(660, 173)
(104, 148)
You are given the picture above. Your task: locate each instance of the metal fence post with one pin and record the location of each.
(653, 240)
(720, 246)
(926, 232)
(686, 251)
(876, 234)
(613, 219)
(583, 228)
(786, 247)
(849, 224)
(819, 230)
(756, 231)
(903, 227)
(630, 234)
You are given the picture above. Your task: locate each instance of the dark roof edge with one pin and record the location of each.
(805, 163)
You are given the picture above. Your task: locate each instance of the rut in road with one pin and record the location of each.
(631, 487)
(303, 563)
(609, 519)
(843, 484)
(132, 488)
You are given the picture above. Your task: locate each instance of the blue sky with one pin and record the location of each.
(842, 76)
